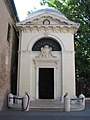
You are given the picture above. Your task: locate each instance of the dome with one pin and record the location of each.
(48, 10)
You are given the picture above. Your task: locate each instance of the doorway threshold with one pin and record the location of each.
(47, 100)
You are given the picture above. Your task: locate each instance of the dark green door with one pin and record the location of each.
(46, 83)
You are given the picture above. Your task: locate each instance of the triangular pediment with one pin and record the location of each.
(47, 19)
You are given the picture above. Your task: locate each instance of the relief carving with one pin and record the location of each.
(46, 52)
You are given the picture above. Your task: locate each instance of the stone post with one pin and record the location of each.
(26, 102)
(66, 102)
(82, 99)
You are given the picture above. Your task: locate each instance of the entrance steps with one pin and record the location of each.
(52, 105)
(46, 105)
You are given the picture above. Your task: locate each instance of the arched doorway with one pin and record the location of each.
(46, 69)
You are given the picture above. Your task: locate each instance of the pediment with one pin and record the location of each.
(46, 19)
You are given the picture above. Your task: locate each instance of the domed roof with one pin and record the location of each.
(48, 10)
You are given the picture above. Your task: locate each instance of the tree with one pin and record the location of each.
(78, 11)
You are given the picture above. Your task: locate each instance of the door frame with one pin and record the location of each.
(46, 83)
(37, 80)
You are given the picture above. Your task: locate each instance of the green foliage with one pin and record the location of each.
(78, 11)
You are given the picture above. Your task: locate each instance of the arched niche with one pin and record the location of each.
(46, 41)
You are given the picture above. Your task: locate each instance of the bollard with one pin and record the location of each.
(10, 100)
(82, 99)
(67, 103)
(26, 101)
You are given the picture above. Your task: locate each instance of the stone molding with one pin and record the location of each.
(68, 52)
(47, 29)
(63, 52)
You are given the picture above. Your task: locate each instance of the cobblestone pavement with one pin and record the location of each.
(20, 115)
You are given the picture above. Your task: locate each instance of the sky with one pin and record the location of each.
(23, 6)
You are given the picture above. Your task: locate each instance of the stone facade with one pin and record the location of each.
(8, 47)
(48, 26)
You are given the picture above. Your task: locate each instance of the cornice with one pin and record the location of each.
(12, 9)
(50, 28)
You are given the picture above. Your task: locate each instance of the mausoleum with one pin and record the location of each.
(46, 56)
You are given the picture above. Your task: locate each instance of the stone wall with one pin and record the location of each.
(5, 52)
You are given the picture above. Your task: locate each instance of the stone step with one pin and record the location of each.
(52, 105)
(46, 105)
(47, 109)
